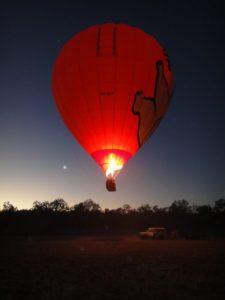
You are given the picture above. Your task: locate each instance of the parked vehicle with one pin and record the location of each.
(154, 233)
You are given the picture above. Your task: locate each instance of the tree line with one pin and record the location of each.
(88, 218)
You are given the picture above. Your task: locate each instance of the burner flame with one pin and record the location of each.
(114, 164)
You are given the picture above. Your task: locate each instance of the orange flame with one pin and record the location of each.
(114, 164)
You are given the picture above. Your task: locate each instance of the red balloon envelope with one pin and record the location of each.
(112, 84)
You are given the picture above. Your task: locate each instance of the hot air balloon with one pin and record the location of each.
(112, 84)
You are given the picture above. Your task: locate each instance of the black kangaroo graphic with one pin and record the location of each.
(151, 110)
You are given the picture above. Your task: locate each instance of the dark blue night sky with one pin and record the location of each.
(40, 159)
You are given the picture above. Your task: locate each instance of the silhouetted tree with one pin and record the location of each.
(79, 208)
(158, 210)
(59, 205)
(220, 205)
(88, 218)
(87, 206)
(41, 206)
(144, 209)
(126, 209)
(90, 205)
(180, 207)
(204, 210)
(8, 207)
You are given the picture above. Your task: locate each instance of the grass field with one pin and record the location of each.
(111, 268)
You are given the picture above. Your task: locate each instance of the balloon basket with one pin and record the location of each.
(111, 185)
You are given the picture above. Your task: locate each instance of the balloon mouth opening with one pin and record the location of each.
(111, 161)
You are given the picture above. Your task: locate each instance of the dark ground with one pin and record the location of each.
(113, 268)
